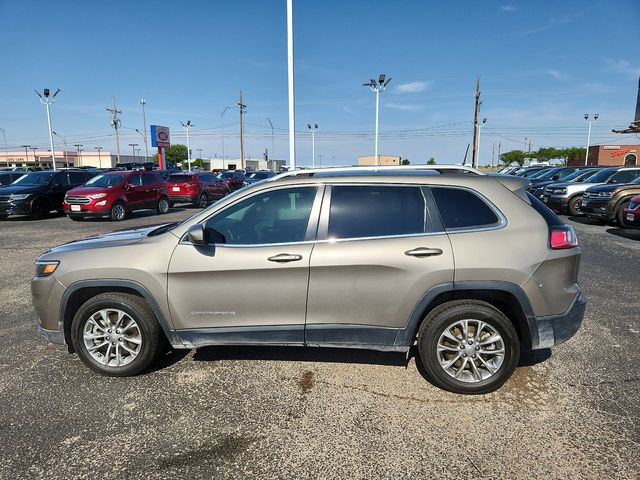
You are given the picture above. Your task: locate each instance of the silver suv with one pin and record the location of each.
(467, 267)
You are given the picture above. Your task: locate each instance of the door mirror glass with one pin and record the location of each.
(195, 234)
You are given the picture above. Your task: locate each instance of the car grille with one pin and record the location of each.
(4, 199)
(77, 200)
(555, 191)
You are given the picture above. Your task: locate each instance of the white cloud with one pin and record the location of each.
(405, 107)
(412, 87)
(624, 67)
(508, 8)
(553, 22)
(558, 75)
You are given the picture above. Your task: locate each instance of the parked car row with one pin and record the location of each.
(610, 194)
(85, 193)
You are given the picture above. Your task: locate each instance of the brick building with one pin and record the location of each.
(612, 155)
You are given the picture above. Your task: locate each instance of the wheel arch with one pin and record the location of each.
(78, 293)
(507, 297)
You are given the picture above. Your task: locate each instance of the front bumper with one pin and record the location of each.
(556, 329)
(556, 202)
(15, 207)
(632, 217)
(94, 213)
(596, 208)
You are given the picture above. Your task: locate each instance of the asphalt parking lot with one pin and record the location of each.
(302, 413)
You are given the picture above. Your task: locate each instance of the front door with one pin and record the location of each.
(249, 284)
(135, 194)
(383, 250)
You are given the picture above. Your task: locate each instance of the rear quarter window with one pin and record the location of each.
(462, 209)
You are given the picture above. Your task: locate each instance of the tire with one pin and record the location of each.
(491, 371)
(620, 214)
(575, 205)
(171, 204)
(40, 208)
(118, 212)
(203, 201)
(3, 217)
(104, 360)
(163, 205)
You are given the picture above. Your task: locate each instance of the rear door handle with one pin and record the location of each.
(284, 258)
(423, 252)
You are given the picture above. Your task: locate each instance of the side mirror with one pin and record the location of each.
(214, 236)
(556, 177)
(195, 234)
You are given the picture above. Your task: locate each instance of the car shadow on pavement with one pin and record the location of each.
(300, 354)
(586, 220)
(628, 233)
(27, 218)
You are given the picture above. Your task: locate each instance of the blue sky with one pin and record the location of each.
(542, 66)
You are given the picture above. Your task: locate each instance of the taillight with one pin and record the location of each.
(562, 237)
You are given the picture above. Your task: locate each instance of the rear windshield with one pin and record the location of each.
(179, 178)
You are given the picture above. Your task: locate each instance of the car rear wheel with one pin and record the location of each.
(203, 201)
(118, 212)
(4, 217)
(620, 213)
(163, 205)
(116, 334)
(468, 347)
(575, 205)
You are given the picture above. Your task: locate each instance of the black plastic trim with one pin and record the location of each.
(254, 335)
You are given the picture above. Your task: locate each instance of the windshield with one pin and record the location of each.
(259, 175)
(602, 175)
(35, 178)
(179, 178)
(580, 175)
(226, 175)
(105, 181)
(549, 173)
(538, 173)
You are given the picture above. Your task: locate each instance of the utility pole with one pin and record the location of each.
(199, 150)
(313, 143)
(26, 153)
(529, 150)
(493, 153)
(499, 148)
(79, 147)
(6, 152)
(115, 122)
(133, 148)
(243, 109)
(99, 157)
(35, 160)
(143, 102)
(474, 152)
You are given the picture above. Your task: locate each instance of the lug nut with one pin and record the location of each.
(473, 356)
(120, 339)
(470, 342)
(464, 354)
(461, 347)
(109, 331)
(477, 348)
(118, 331)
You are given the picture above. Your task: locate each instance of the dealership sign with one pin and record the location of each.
(160, 136)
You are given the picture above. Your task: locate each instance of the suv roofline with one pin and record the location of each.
(375, 169)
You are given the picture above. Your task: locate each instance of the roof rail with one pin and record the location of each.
(381, 169)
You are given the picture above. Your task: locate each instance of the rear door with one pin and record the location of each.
(380, 248)
(60, 185)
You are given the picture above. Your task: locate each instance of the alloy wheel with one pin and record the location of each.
(112, 337)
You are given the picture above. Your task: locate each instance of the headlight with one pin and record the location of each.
(101, 204)
(46, 268)
(20, 196)
(97, 195)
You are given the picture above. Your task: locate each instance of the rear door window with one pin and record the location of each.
(148, 178)
(376, 211)
(462, 209)
(625, 176)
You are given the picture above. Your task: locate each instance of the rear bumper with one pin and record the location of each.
(556, 329)
(182, 198)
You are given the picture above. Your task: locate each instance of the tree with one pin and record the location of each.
(431, 161)
(198, 162)
(177, 153)
(517, 156)
(405, 161)
(574, 154)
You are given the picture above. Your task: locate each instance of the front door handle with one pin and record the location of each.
(284, 258)
(423, 252)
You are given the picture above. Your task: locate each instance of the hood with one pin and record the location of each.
(91, 190)
(610, 187)
(18, 189)
(113, 239)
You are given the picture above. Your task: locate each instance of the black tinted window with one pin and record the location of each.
(148, 178)
(134, 179)
(463, 209)
(62, 179)
(626, 176)
(376, 211)
(77, 178)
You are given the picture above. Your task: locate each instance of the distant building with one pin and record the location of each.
(64, 159)
(370, 160)
(611, 155)
(236, 163)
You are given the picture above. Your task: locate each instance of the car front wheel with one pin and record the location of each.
(163, 205)
(575, 206)
(468, 347)
(116, 334)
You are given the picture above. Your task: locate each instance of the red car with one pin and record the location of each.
(114, 194)
(234, 179)
(197, 188)
(631, 213)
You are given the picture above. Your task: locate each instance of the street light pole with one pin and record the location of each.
(377, 87)
(222, 130)
(79, 147)
(484, 120)
(99, 157)
(35, 159)
(586, 117)
(64, 140)
(313, 143)
(273, 144)
(26, 153)
(187, 127)
(290, 78)
(143, 102)
(133, 148)
(6, 152)
(45, 100)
